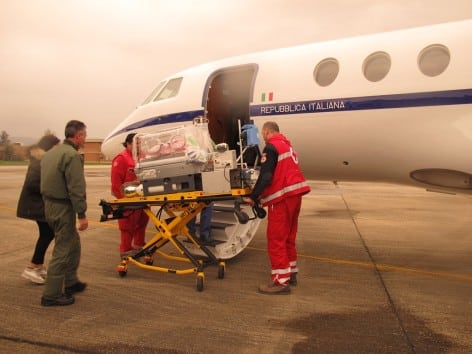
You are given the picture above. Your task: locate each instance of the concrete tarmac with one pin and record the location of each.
(383, 269)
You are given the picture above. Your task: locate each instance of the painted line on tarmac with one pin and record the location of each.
(384, 267)
(104, 224)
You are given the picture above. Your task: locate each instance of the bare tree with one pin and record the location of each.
(4, 138)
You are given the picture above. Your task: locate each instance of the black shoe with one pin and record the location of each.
(209, 241)
(62, 300)
(293, 279)
(275, 289)
(76, 288)
(206, 242)
(205, 239)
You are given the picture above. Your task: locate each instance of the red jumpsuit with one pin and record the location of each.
(133, 226)
(281, 188)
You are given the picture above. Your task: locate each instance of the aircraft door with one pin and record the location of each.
(229, 93)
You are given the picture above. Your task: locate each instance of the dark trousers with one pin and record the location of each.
(46, 235)
(63, 266)
(205, 223)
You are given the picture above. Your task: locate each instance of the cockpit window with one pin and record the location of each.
(154, 93)
(170, 89)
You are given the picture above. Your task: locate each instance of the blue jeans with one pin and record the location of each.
(205, 223)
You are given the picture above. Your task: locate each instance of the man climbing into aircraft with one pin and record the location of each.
(280, 187)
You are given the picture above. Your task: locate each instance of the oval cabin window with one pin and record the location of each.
(376, 66)
(434, 59)
(326, 71)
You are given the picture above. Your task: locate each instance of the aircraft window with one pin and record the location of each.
(326, 71)
(434, 59)
(170, 89)
(154, 93)
(376, 66)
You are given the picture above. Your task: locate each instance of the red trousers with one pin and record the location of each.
(133, 230)
(282, 226)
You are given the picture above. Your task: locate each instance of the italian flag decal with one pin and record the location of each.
(267, 96)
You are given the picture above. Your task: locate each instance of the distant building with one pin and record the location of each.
(92, 151)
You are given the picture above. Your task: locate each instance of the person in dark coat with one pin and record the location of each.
(31, 206)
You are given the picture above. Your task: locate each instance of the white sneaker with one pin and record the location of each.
(43, 272)
(33, 275)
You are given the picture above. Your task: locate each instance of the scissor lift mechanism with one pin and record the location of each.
(180, 209)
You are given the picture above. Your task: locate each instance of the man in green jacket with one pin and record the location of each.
(63, 191)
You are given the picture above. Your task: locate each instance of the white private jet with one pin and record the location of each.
(392, 107)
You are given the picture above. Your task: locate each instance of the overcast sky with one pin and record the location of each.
(95, 60)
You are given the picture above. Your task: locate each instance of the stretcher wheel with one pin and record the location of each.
(221, 270)
(148, 260)
(122, 270)
(200, 279)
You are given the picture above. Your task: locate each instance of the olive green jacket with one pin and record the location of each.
(62, 177)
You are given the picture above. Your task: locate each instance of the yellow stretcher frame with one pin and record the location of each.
(181, 208)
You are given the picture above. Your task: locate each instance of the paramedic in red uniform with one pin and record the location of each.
(280, 187)
(133, 226)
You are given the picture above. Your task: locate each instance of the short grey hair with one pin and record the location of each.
(73, 127)
(271, 126)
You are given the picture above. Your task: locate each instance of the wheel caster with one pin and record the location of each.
(122, 270)
(200, 279)
(221, 270)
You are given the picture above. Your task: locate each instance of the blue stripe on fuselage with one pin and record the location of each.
(180, 117)
(420, 99)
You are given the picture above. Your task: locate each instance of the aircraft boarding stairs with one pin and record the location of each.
(230, 236)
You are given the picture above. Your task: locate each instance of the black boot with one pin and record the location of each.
(293, 279)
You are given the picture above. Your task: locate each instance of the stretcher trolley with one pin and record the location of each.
(179, 174)
(179, 209)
